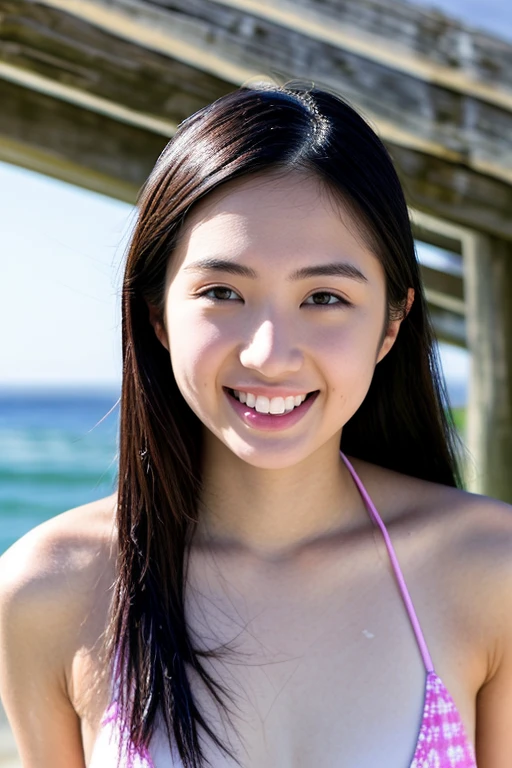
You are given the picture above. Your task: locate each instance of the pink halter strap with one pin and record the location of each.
(396, 567)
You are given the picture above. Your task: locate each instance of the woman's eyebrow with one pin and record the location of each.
(335, 268)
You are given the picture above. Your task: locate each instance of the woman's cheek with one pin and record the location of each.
(191, 334)
(198, 349)
(353, 373)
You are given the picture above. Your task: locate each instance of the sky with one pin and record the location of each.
(494, 16)
(62, 250)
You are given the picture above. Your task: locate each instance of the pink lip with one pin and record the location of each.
(270, 422)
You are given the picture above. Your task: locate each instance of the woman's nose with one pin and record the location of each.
(272, 352)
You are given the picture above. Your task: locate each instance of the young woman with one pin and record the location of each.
(289, 574)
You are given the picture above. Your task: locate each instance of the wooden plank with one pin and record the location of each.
(68, 50)
(426, 226)
(397, 32)
(464, 123)
(443, 283)
(73, 144)
(433, 237)
(454, 192)
(488, 265)
(407, 108)
(448, 326)
(71, 52)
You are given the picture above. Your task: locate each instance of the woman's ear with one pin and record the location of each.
(394, 327)
(156, 320)
(410, 301)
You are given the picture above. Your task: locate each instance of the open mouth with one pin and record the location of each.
(308, 396)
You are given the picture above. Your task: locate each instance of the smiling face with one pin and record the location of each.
(274, 320)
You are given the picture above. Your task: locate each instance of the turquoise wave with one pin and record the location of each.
(54, 455)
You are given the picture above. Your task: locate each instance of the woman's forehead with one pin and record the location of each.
(270, 217)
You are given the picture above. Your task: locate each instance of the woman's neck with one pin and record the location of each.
(268, 511)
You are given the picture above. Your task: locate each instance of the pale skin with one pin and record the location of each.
(285, 558)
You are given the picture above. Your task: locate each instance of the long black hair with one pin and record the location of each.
(402, 424)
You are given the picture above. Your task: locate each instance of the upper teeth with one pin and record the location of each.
(269, 405)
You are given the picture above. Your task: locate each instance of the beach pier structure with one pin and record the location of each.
(91, 91)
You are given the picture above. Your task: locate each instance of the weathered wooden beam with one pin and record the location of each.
(472, 124)
(454, 192)
(64, 48)
(449, 327)
(488, 265)
(432, 236)
(419, 39)
(444, 284)
(68, 50)
(73, 144)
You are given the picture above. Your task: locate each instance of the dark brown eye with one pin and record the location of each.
(325, 299)
(323, 296)
(221, 291)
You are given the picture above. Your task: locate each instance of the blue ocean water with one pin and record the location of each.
(54, 455)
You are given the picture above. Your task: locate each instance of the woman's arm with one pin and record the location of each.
(494, 702)
(38, 632)
(494, 715)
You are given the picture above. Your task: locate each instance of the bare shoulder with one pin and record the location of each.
(469, 533)
(55, 585)
(54, 601)
(465, 519)
(459, 542)
(475, 533)
(55, 555)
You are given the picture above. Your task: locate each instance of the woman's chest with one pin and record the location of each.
(347, 708)
(323, 666)
(331, 675)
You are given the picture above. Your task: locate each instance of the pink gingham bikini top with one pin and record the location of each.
(442, 740)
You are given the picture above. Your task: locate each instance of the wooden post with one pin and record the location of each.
(488, 291)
